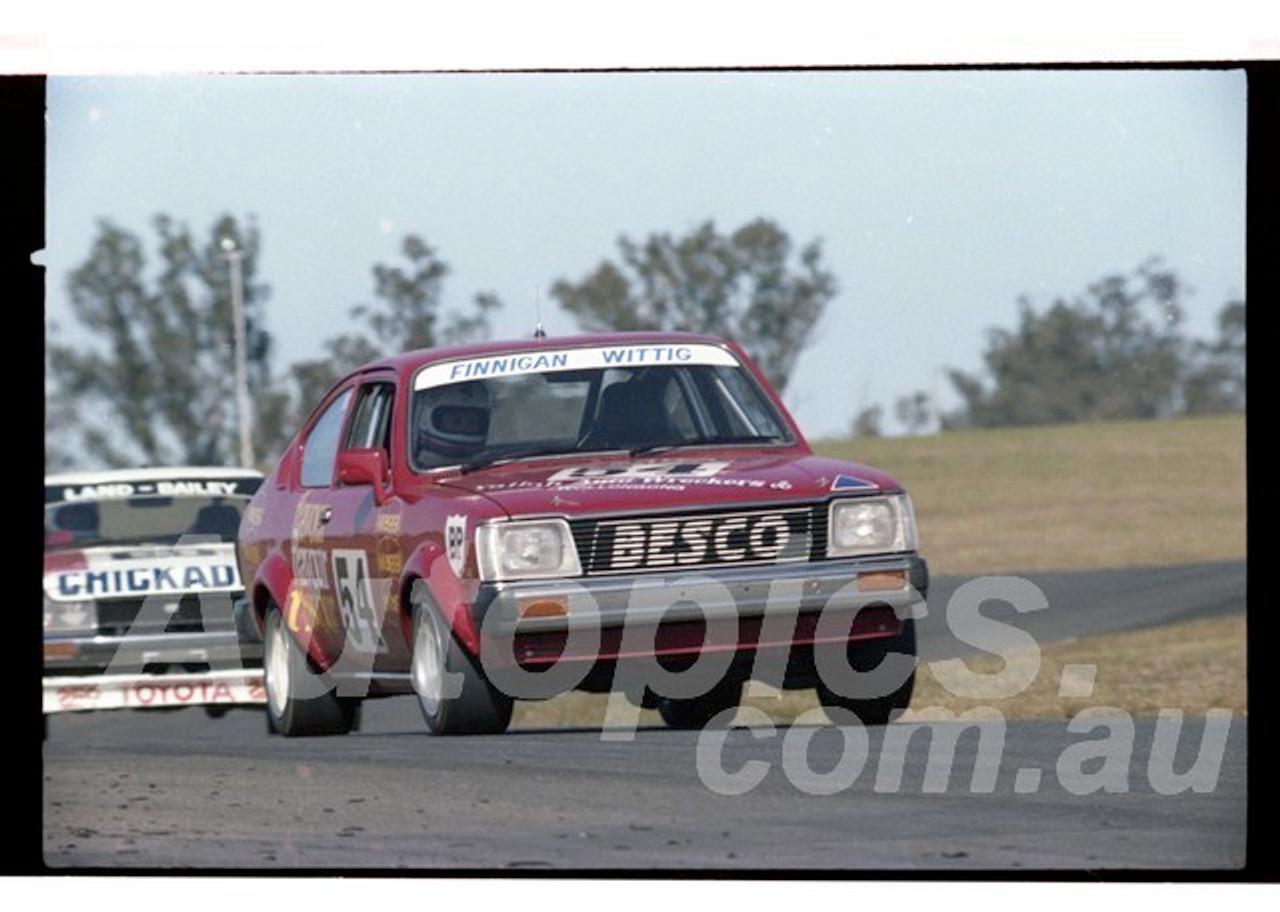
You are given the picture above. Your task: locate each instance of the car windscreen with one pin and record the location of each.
(141, 520)
(632, 407)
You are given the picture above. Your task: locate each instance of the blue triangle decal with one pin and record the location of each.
(850, 483)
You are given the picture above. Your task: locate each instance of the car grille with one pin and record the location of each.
(667, 543)
(188, 614)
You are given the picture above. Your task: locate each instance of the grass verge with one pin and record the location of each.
(1114, 494)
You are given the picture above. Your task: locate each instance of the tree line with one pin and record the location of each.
(1117, 350)
(152, 385)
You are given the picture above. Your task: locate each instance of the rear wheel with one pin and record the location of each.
(455, 697)
(877, 708)
(299, 701)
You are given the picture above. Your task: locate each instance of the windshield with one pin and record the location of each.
(140, 520)
(505, 408)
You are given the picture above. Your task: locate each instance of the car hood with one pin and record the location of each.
(123, 571)
(687, 479)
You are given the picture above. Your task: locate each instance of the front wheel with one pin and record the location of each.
(696, 712)
(877, 707)
(455, 697)
(299, 702)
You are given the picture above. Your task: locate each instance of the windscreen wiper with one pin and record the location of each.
(484, 462)
(706, 441)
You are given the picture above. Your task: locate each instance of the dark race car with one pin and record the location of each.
(140, 575)
(631, 513)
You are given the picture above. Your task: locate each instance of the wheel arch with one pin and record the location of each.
(271, 586)
(453, 597)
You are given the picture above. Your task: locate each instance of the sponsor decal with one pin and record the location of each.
(237, 688)
(76, 696)
(387, 524)
(851, 483)
(639, 471)
(637, 484)
(513, 486)
(532, 362)
(146, 577)
(253, 552)
(389, 559)
(309, 520)
(309, 568)
(179, 694)
(737, 538)
(640, 477)
(455, 542)
(300, 612)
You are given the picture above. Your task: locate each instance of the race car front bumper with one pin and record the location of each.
(738, 608)
(150, 671)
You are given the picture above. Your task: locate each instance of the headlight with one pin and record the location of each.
(531, 549)
(871, 525)
(70, 617)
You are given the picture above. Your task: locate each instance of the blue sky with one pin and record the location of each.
(940, 196)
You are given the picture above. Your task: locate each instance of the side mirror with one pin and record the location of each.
(365, 467)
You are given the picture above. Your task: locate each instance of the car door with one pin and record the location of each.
(313, 611)
(361, 538)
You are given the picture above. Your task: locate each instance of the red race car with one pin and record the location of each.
(631, 513)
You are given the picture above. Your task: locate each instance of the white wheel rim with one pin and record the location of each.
(276, 668)
(428, 664)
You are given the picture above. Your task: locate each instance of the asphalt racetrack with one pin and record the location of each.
(156, 791)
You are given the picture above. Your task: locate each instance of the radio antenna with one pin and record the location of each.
(538, 331)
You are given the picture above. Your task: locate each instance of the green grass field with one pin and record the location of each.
(1120, 494)
(1055, 498)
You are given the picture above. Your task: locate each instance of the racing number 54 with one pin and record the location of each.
(355, 600)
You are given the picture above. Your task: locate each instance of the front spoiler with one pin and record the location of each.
(142, 691)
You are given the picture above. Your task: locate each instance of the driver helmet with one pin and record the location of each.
(454, 420)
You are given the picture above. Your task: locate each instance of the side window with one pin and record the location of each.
(371, 420)
(320, 451)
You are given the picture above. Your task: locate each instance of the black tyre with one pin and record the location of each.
(300, 703)
(453, 694)
(876, 708)
(696, 712)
